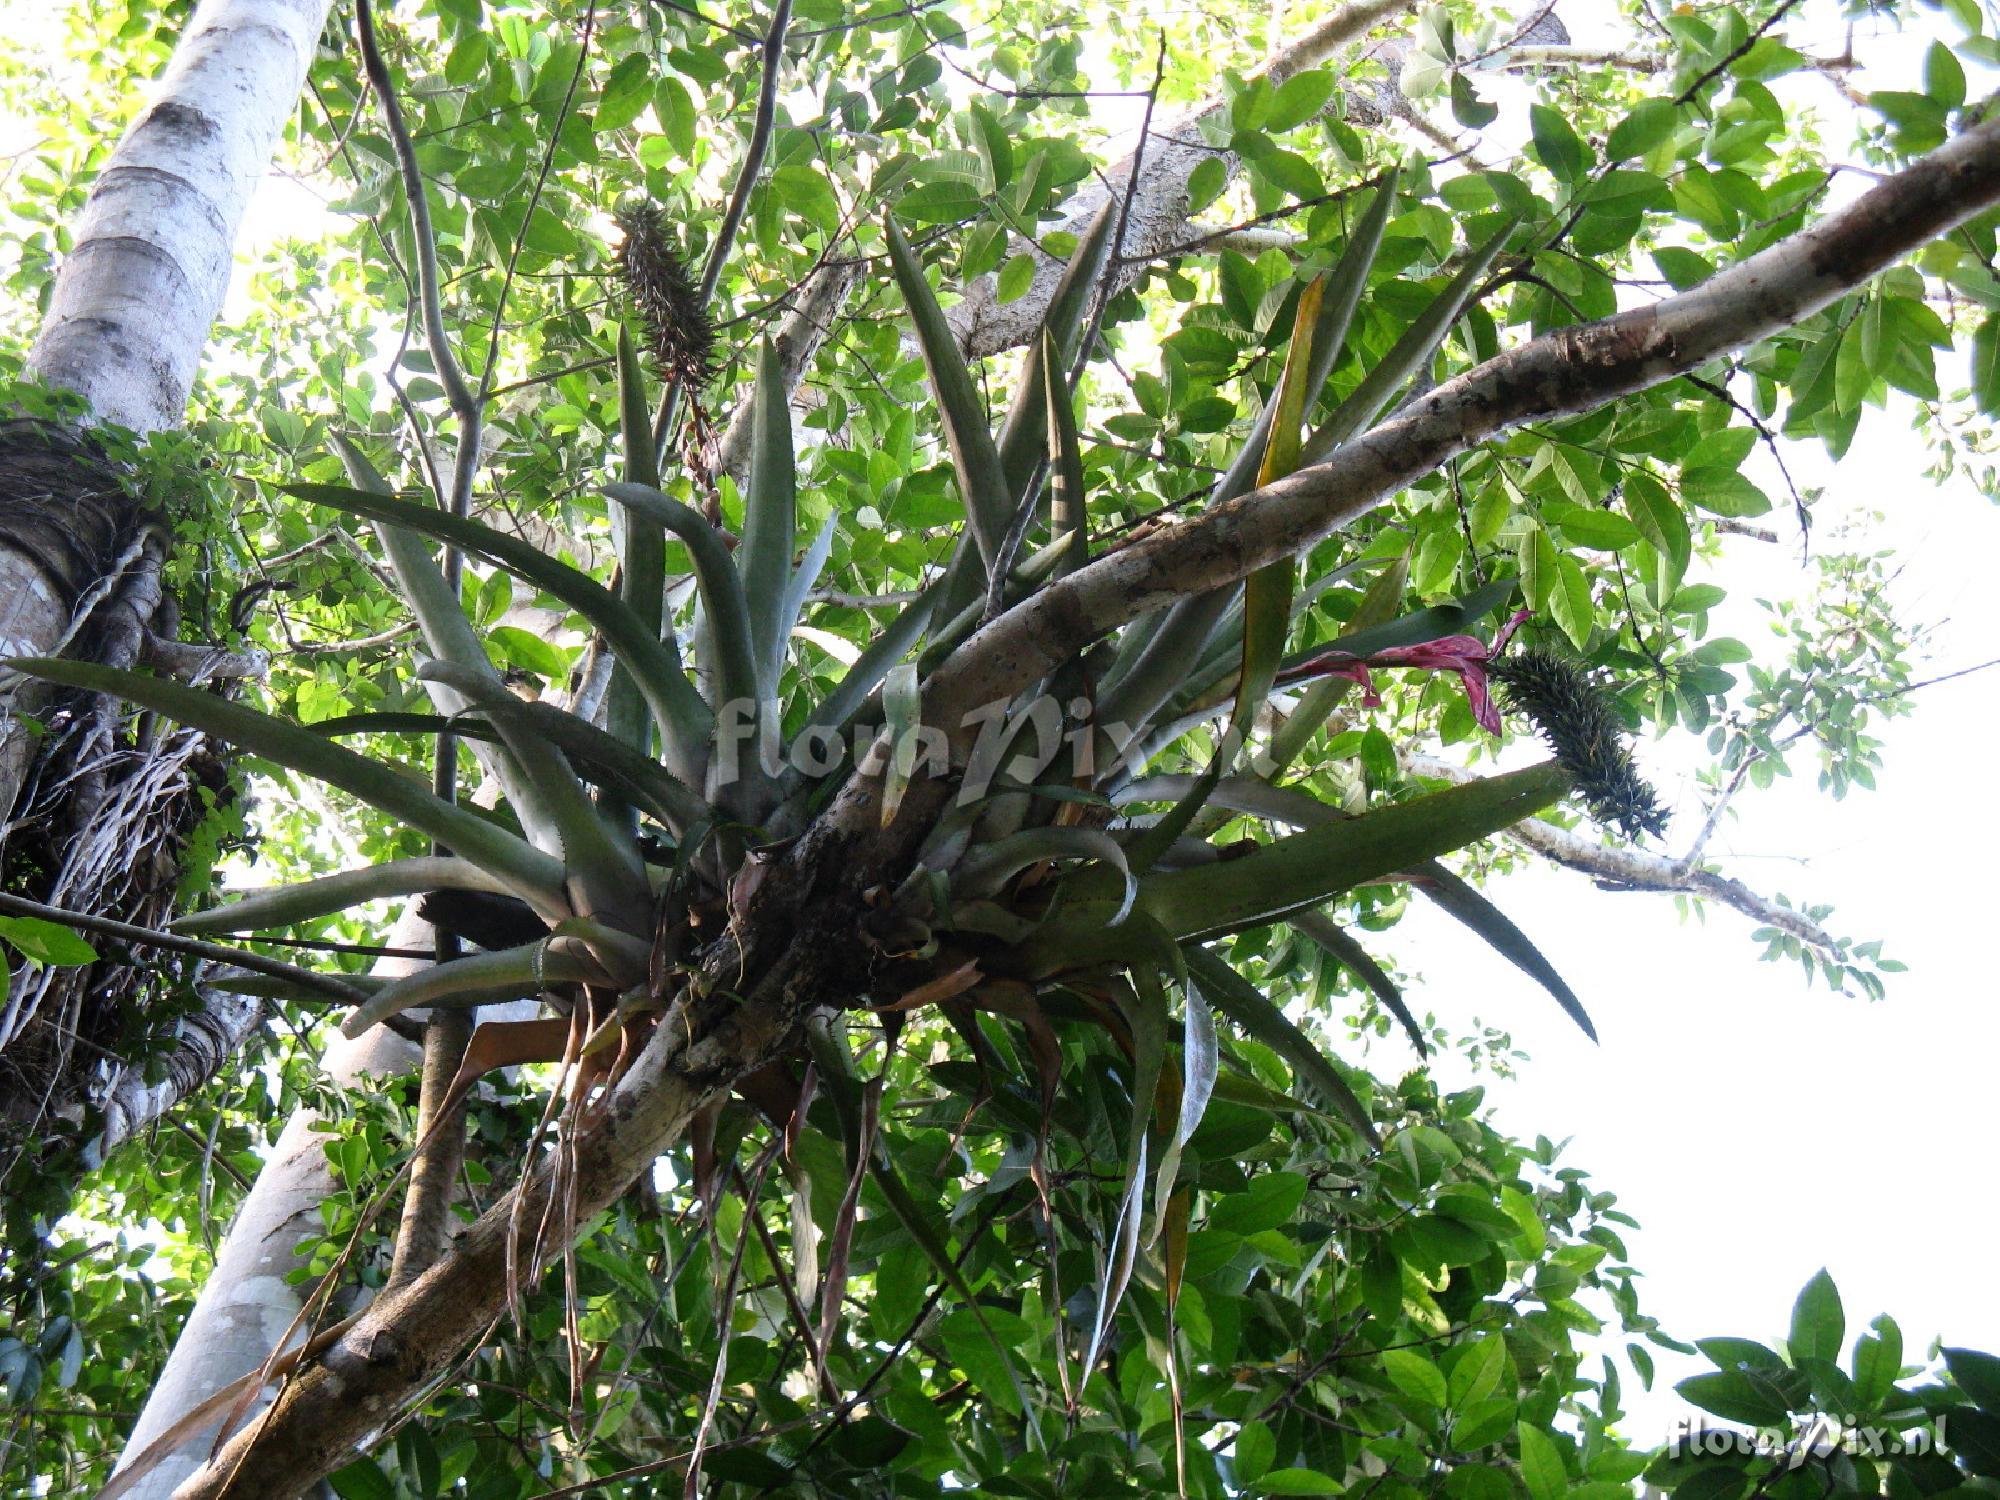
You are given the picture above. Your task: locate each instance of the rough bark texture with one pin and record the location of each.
(1563, 373)
(134, 300)
(62, 510)
(414, 1334)
(798, 924)
(129, 315)
(110, 806)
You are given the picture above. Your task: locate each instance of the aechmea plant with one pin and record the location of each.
(1060, 874)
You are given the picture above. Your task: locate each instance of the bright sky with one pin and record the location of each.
(1759, 1130)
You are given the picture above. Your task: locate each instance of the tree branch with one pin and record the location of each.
(1158, 205)
(431, 301)
(330, 985)
(426, 1221)
(1628, 869)
(1564, 372)
(1161, 207)
(816, 310)
(1528, 59)
(205, 1039)
(739, 200)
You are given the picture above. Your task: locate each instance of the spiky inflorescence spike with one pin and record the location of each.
(664, 295)
(1575, 716)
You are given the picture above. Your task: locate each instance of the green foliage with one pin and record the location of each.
(1069, 1128)
(1868, 1423)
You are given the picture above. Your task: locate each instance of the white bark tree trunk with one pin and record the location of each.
(134, 300)
(246, 1307)
(128, 319)
(204, 1042)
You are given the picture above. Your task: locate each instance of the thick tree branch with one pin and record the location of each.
(205, 1039)
(1563, 373)
(814, 313)
(420, 1236)
(413, 1334)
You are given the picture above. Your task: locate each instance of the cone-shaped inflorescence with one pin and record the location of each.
(1575, 715)
(665, 297)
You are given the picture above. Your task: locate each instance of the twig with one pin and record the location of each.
(800, 1318)
(1807, 725)
(1017, 529)
(209, 1153)
(725, 1301)
(584, 367)
(450, 376)
(707, 20)
(1211, 236)
(915, 9)
(739, 201)
(1547, 10)
(466, 406)
(149, 937)
(365, 643)
(1626, 869)
(534, 202)
(1741, 48)
(1770, 441)
(1096, 324)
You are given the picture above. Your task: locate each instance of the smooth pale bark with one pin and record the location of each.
(1157, 220)
(246, 1307)
(128, 319)
(791, 934)
(133, 301)
(203, 1042)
